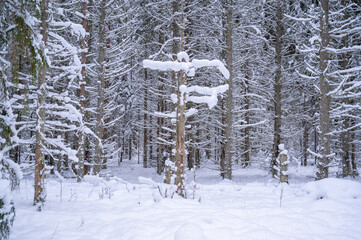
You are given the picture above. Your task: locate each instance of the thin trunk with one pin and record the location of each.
(277, 89)
(106, 130)
(345, 135)
(190, 158)
(353, 153)
(89, 24)
(325, 137)
(39, 191)
(306, 129)
(247, 140)
(81, 150)
(145, 131)
(315, 147)
(150, 136)
(130, 147)
(123, 147)
(197, 157)
(138, 151)
(345, 141)
(101, 85)
(160, 121)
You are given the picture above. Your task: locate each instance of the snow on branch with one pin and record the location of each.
(349, 70)
(167, 65)
(211, 94)
(183, 64)
(211, 63)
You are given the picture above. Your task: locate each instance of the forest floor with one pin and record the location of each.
(252, 206)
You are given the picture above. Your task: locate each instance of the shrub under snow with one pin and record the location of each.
(333, 188)
(7, 210)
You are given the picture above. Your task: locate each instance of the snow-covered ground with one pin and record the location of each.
(252, 206)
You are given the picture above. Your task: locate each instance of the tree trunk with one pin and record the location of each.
(39, 191)
(277, 88)
(89, 44)
(175, 50)
(180, 159)
(160, 120)
(306, 129)
(247, 140)
(226, 156)
(283, 168)
(106, 119)
(197, 157)
(81, 149)
(101, 85)
(130, 147)
(324, 137)
(345, 135)
(353, 153)
(145, 131)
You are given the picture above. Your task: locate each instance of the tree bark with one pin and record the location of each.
(283, 168)
(353, 153)
(101, 85)
(81, 150)
(180, 158)
(306, 129)
(145, 130)
(247, 140)
(226, 156)
(277, 88)
(175, 50)
(345, 135)
(160, 121)
(324, 136)
(39, 191)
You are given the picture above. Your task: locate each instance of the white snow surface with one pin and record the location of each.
(123, 206)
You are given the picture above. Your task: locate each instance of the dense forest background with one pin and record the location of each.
(75, 97)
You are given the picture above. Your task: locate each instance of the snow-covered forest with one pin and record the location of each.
(180, 119)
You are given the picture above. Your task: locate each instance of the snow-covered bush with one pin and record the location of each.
(7, 210)
(333, 188)
(10, 175)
